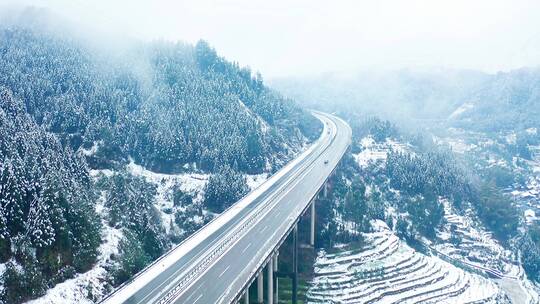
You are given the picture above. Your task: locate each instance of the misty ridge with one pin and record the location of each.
(143, 80)
(494, 102)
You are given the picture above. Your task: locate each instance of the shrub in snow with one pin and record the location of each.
(132, 259)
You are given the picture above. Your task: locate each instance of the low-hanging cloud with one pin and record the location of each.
(284, 38)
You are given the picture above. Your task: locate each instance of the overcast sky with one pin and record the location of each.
(290, 38)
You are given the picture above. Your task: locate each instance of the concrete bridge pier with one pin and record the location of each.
(260, 299)
(312, 232)
(270, 281)
(275, 261)
(246, 296)
(295, 266)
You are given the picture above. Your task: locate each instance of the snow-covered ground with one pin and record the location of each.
(376, 153)
(462, 238)
(189, 183)
(498, 151)
(92, 285)
(529, 196)
(471, 243)
(386, 270)
(458, 145)
(460, 110)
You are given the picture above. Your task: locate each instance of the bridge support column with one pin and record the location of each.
(276, 277)
(246, 296)
(270, 282)
(260, 290)
(312, 234)
(295, 266)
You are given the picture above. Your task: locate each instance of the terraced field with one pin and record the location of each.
(386, 270)
(461, 240)
(474, 245)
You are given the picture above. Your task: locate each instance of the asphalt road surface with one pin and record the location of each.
(214, 265)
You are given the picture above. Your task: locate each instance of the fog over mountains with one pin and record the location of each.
(499, 100)
(114, 148)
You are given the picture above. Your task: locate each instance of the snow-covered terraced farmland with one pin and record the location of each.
(472, 244)
(386, 270)
(466, 242)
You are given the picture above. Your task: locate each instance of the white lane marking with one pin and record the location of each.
(224, 271)
(189, 297)
(262, 230)
(197, 299)
(246, 248)
(193, 293)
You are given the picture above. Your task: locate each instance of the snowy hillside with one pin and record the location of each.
(91, 286)
(374, 153)
(386, 270)
(510, 160)
(462, 240)
(436, 246)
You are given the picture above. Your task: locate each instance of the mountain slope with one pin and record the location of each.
(164, 104)
(101, 149)
(509, 101)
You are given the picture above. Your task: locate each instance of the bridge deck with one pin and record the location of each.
(216, 263)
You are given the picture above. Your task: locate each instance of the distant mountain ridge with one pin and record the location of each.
(507, 101)
(495, 101)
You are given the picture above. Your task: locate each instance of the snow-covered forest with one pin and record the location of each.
(74, 118)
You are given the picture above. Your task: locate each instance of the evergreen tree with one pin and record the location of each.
(46, 201)
(131, 203)
(224, 188)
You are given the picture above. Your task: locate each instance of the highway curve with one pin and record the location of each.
(215, 264)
